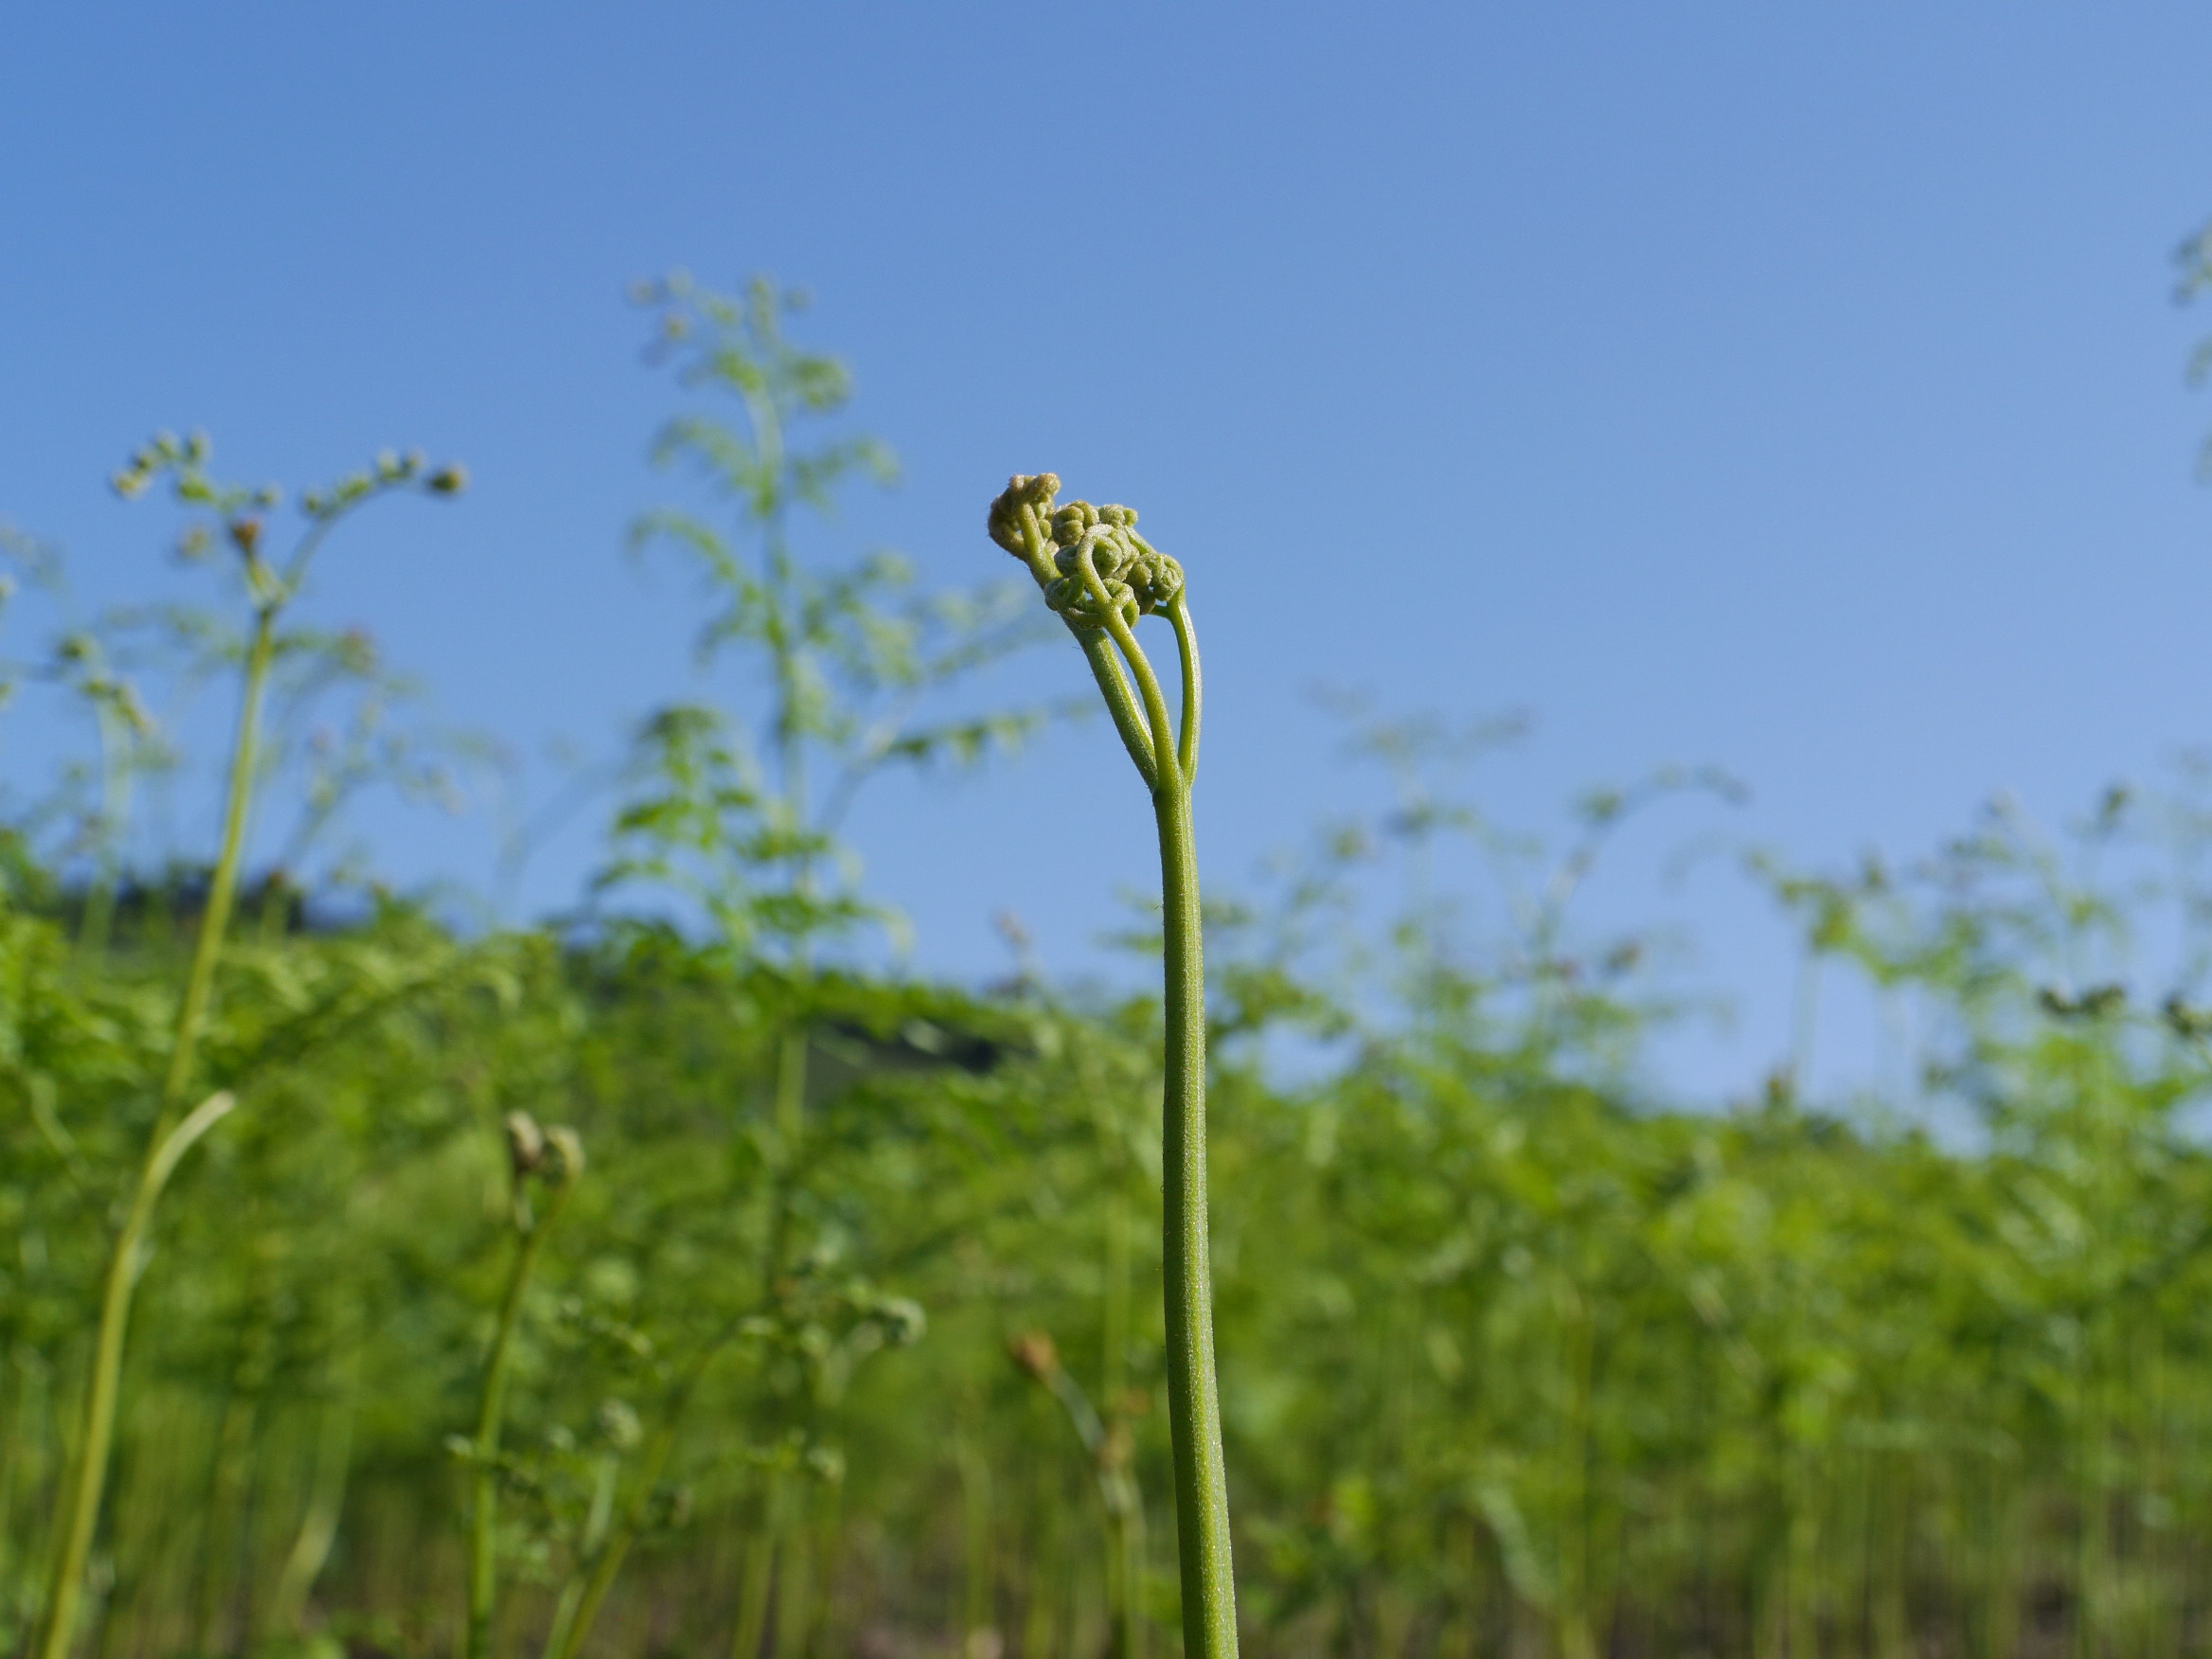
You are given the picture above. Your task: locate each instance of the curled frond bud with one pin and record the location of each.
(564, 1159)
(1161, 581)
(450, 479)
(1031, 489)
(902, 1321)
(1033, 1350)
(1071, 598)
(1071, 521)
(1138, 579)
(617, 1425)
(525, 1144)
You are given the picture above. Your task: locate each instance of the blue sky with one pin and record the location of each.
(1793, 390)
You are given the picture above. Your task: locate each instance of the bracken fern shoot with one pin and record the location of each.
(1100, 576)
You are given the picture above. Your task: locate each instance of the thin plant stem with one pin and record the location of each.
(606, 1562)
(1118, 1496)
(492, 1397)
(1194, 1414)
(223, 884)
(577, 1616)
(81, 1501)
(558, 1637)
(1120, 704)
(98, 923)
(759, 1560)
(491, 1407)
(977, 1625)
(318, 1526)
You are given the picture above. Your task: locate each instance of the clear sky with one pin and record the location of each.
(1791, 389)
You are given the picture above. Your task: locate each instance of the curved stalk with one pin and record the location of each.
(1118, 1496)
(81, 1501)
(558, 1638)
(1186, 647)
(76, 1512)
(79, 1510)
(325, 1500)
(1113, 685)
(575, 1618)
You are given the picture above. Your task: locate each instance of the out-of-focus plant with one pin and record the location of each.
(131, 746)
(2193, 260)
(239, 516)
(741, 818)
(555, 1158)
(744, 822)
(1106, 1442)
(23, 557)
(843, 661)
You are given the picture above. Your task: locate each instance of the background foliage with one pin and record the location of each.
(849, 1335)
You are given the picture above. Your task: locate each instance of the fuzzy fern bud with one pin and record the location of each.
(564, 1155)
(526, 1144)
(1034, 491)
(1034, 1352)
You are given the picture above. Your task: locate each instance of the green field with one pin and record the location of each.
(668, 1279)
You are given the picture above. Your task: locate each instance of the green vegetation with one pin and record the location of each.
(849, 1342)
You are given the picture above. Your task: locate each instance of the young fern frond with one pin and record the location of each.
(554, 1156)
(1100, 577)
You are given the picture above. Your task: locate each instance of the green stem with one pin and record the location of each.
(1118, 1483)
(326, 1501)
(565, 1640)
(759, 1561)
(490, 1409)
(1123, 1506)
(222, 886)
(80, 1500)
(1194, 1414)
(80, 1509)
(1167, 758)
(561, 1639)
(790, 1110)
(568, 1634)
(97, 922)
(1186, 647)
(1120, 703)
